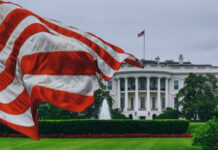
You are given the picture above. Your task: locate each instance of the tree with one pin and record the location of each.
(48, 111)
(169, 113)
(198, 96)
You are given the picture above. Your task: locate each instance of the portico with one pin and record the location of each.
(142, 96)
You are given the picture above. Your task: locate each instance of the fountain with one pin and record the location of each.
(104, 111)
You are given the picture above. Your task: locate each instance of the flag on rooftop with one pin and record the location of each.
(43, 60)
(141, 33)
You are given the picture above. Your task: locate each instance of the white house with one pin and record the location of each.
(145, 93)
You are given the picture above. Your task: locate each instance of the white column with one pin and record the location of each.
(166, 93)
(148, 105)
(158, 95)
(136, 95)
(118, 97)
(126, 95)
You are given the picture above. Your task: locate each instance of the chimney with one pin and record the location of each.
(157, 59)
(181, 59)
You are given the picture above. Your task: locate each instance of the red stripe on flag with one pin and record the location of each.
(70, 101)
(17, 106)
(113, 63)
(10, 23)
(59, 63)
(7, 76)
(29, 131)
(2, 2)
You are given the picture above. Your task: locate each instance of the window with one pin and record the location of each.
(122, 103)
(176, 103)
(131, 84)
(109, 84)
(176, 84)
(153, 84)
(163, 102)
(132, 103)
(142, 102)
(142, 83)
(162, 84)
(153, 102)
(122, 84)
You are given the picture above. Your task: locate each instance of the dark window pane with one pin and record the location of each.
(122, 103)
(132, 103)
(109, 85)
(142, 102)
(142, 83)
(162, 84)
(176, 85)
(122, 84)
(153, 102)
(163, 102)
(131, 83)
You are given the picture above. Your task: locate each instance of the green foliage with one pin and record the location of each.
(194, 125)
(207, 135)
(115, 114)
(83, 126)
(48, 111)
(198, 96)
(169, 113)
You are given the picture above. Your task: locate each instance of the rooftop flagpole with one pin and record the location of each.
(139, 35)
(144, 45)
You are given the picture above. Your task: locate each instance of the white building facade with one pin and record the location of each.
(145, 93)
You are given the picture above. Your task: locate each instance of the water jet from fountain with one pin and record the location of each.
(104, 111)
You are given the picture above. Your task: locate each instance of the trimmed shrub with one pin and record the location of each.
(82, 126)
(169, 113)
(207, 135)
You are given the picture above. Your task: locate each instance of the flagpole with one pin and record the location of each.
(144, 46)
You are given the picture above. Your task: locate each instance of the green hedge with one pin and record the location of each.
(83, 126)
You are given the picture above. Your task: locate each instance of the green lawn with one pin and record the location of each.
(98, 143)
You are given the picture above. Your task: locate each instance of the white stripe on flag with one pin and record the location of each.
(24, 119)
(77, 84)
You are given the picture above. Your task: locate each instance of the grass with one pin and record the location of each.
(194, 125)
(98, 144)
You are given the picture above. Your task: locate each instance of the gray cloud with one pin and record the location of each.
(173, 27)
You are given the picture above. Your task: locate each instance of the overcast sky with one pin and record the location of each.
(173, 27)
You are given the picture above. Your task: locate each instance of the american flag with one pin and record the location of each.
(43, 60)
(141, 33)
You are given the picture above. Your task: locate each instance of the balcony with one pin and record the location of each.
(131, 88)
(153, 88)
